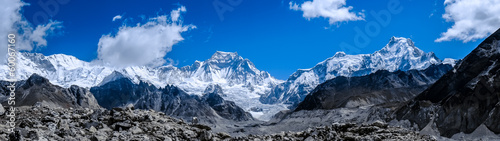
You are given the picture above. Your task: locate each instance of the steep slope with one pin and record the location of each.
(463, 99)
(239, 77)
(37, 89)
(170, 99)
(398, 54)
(376, 88)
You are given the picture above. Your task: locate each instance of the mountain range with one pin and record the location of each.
(253, 90)
(399, 54)
(241, 81)
(399, 84)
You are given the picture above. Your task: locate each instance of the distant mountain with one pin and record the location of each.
(463, 100)
(37, 89)
(398, 54)
(376, 88)
(170, 99)
(239, 77)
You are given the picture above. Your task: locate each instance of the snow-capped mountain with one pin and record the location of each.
(399, 54)
(240, 80)
(380, 87)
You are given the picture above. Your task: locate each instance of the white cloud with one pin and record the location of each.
(13, 22)
(144, 44)
(117, 17)
(175, 14)
(334, 10)
(473, 19)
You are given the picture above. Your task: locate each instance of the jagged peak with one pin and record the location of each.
(398, 45)
(339, 54)
(399, 39)
(221, 56)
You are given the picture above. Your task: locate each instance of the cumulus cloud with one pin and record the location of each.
(144, 44)
(27, 37)
(117, 17)
(473, 19)
(334, 10)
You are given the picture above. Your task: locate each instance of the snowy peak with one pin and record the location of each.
(224, 57)
(221, 60)
(401, 46)
(399, 54)
(66, 61)
(339, 54)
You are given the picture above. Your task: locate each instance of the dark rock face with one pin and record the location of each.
(377, 88)
(175, 102)
(464, 98)
(120, 92)
(37, 89)
(226, 109)
(171, 100)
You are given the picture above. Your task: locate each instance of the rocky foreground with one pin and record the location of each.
(45, 123)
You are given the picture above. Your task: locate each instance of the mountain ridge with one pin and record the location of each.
(242, 82)
(399, 54)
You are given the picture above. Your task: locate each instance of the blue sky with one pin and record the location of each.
(274, 37)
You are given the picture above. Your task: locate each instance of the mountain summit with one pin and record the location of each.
(399, 54)
(225, 57)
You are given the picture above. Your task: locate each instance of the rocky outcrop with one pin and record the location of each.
(38, 89)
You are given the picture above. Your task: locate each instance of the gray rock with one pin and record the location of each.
(2, 110)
